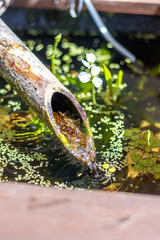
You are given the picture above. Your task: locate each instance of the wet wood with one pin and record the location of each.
(146, 7)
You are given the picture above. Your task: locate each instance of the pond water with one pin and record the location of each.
(126, 129)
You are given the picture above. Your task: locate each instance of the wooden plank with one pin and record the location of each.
(146, 7)
(47, 4)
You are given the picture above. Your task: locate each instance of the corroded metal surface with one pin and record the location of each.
(41, 90)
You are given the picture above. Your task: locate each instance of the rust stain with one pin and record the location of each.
(17, 64)
(23, 48)
(4, 44)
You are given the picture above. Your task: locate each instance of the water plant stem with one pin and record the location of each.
(57, 40)
(93, 95)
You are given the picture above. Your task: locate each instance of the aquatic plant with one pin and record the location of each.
(57, 40)
(22, 127)
(143, 151)
(114, 86)
(92, 76)
(30, 153)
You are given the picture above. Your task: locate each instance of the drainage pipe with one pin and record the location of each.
(53, 103)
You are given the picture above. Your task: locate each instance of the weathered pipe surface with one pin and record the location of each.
(49, 99)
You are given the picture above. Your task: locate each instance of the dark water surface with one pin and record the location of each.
(127, 135)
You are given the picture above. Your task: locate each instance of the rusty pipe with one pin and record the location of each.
(53, 103)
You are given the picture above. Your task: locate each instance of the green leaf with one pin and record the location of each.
(108, 77)
(156, 167)
(119, 79)
(136, 158)
(107, 73)
(58, 38)
(147, 163)
(128, 133)
(138, 167)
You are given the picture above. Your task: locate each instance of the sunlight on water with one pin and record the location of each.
(126, 137)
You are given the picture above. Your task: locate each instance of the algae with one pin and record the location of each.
(127, 155)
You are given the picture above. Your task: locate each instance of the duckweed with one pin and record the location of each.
(22, 165)
(136, 158)
(25, 141)
(146, 151)
(105, 165)
(156, 168)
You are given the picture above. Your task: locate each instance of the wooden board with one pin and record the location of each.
(146, 7)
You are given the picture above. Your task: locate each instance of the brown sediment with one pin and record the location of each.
(70, 127)
(74, 131)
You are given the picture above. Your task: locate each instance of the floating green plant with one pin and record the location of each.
(122, 155)
(17, 164)
(143, 155)
(23, 127)
(21, 165)
(108, 128)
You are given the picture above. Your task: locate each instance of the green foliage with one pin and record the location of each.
(61, 64)
(114, 87)
(57, 40)
(108, 78)
(23, 164)
(143, 151)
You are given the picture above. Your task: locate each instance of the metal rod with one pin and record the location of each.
(105, 33)
(53, 103)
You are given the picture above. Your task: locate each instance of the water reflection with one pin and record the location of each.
(29, 152)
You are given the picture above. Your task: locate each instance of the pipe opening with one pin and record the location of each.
(62, 105)
(70, 124)
(72, 129)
